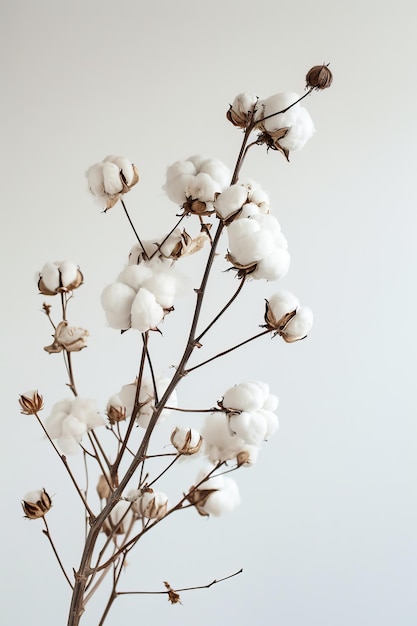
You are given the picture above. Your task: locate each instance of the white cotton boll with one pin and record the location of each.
(249, 426)
(249, 210)
(111, 178)
(224, 500)
(248, 243)
(127, 396)
(218, 171)
(271, 421)
(95, 180)
(86, 411)
(69, 272)
(60, 410)
(271, 402)
(198, 161)
(274, 266)
(153, 504)
(283, 302)
(145, 313)
(300, 325)
(135, 275)
(124, 165)
(50, 276)
(180, 168)
(163, 286)
(302, 129)
(244, 102)
(247, 396)
(201, 187)
(230, 200)
(116, 300)
(277, 103)
(219, 442)
(175, 188)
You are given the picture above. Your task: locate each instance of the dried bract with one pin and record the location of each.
(319, 77)
(103, 487)
(173, 596)
(36, 504)
(71, 339)
(31, 402)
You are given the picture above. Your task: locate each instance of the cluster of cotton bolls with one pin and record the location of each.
(141, 296)
(69, 420)
(194, 182)
(120, 406)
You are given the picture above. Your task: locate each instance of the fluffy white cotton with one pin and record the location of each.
(297, 119)
(274, 266)
(220, 444)
(282, 303)
(251, 427)
(186, 440)
(224, 499)
(300, 325)
(248, 243)
(145, 312)
(198, 178)
(112, 181)
(69, 421)
(230, 201)
(123, 165)
(116, 300)
(247, 396)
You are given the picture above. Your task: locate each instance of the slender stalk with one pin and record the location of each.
(167, 236)
(239, 345)
(48, 536)
(213, 582)
(133, 228)
(224, 309)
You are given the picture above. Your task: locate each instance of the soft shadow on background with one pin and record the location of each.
(326, 533)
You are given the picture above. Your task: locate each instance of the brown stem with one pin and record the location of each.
(134, 229)
(239, 345)
(48, 535)
(224, 309)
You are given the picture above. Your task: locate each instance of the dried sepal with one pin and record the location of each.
(103, 487)
(275, 324)
(116, 414)
(36, 504)
(196, 207)
(69, 338)
(242, 269)
(272, 139)
(199, 497)
(319, 77)
(173, 596)
(152, 505)
(31, 402)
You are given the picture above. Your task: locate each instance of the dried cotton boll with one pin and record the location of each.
(186, 441)
(145, 313)
(153, 505)
(111, 178)
(136, 254)
(36, 504)
(59, 277)
(241, 109)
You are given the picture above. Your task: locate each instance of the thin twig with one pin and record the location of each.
(239, 345)
(224, 309)
(48, 536)
(213, 582)
(134, 229)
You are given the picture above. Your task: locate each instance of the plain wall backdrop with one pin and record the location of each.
(326, 533)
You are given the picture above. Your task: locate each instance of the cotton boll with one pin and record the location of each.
(300, 132)
(145, 313)
(247, 396)
(135, 275)
(226, 499)
(300, 325)
(271, 421)
(247, 242)
(219, 443)
(163, 286)
(95, 179)
(111, 179)
(277, 103)
(270, 223)
(201, 187)
(230, 200)
(274, 266)
(70, 420)
(50, 276)
(249, 426)
(124, 165)
(218, 171)
(282, 303)
(176, 188)
(117, 300)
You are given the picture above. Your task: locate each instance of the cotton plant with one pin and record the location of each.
(110, 436)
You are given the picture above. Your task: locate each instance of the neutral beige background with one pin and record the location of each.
(326, 533)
